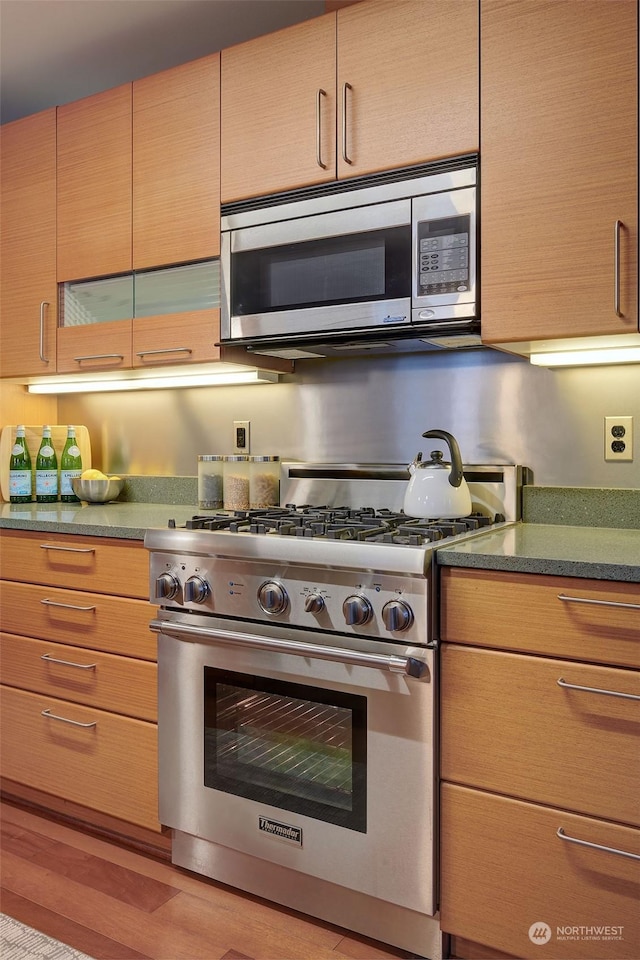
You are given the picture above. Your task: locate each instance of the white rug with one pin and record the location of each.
(18, 942)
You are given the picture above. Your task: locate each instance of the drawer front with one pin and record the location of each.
(118, 567)
(110, 766)
(119, 684)
(507, 725)
(113, 624)
(504, 870)
(540, 614)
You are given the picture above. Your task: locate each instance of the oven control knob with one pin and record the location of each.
(196, 590)
(357, 610)
(167, 586)
(272, 597)
(397, 615)
(314, 603)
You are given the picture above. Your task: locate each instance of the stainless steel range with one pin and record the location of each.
(297, 694)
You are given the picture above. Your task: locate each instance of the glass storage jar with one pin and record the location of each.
(210, 483)
(236, 482)
(264, 482)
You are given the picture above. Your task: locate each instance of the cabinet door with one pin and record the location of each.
(412, 70)
(278, 127)
(28, 299)
(98, 346)
(94, 758)
(176, 165)
(559, 168)
(505, 872)
(94, 185)
(518, 725)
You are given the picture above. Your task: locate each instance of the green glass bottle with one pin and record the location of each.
(46, 470)
(70, 467)
(20, 475)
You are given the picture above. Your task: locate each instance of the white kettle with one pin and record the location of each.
(437, 489)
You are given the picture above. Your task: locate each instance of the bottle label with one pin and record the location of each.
(66, 476)
(17, 450)
(46, 451)
(73, 451)
(47, 483)
(20, 483)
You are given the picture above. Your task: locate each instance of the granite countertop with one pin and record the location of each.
(600, 553)
(126, 521)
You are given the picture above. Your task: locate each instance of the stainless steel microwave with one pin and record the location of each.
(379, 264)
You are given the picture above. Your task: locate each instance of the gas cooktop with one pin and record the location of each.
(341, 523)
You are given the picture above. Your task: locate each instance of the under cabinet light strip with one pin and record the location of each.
(586, 358)
(154, 383)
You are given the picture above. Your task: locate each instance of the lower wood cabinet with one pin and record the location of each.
(92, 757)
(539, 766)
(508, 874)
(78, 702)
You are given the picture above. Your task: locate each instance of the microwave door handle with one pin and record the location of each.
(410, 666)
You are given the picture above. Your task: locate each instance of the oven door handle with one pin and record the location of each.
(410, 666)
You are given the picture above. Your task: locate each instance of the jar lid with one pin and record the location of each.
(264, 459)
(209, 457)
(234, 459)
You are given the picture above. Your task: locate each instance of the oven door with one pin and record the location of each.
(287, 746)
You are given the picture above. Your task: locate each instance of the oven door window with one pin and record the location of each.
(354, 268)
(289, 745)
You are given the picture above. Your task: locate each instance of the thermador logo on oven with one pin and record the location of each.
(282, 831)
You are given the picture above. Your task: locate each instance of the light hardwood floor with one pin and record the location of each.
(113, 903)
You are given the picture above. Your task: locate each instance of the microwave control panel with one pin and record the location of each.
(443, 255)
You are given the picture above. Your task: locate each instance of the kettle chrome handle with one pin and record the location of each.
(456, 475)
(414, 463)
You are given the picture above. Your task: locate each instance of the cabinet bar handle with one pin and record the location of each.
(596, 846)
(345, 87)
(43, 304)
(321, 94)
(607, 693)
(616, 268)
(52, 546)
(75, 723)
(100, 356)
(68, 663)
(599, 603)
(149, 353)
(67, 606)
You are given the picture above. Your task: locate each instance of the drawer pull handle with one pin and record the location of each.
(596, 846)
(599, 603)
(150, 353)
(74, 723)
(607, 693)
(66, 606)
(100, 356)
(54, 546)
(68, 663)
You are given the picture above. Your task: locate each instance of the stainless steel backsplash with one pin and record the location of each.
(500, 409)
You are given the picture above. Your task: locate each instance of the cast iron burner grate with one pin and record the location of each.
(340, 523)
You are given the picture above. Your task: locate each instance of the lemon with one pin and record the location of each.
(114, 478)
(93, 475)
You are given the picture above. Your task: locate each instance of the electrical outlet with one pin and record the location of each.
(618, 438)
(241, 436)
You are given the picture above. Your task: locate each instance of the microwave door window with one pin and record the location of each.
(337, 270)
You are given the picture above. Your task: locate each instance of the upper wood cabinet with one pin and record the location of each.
(559, 135)
(377, 85)
(176, 165)
(28, 294)
(94, 185)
